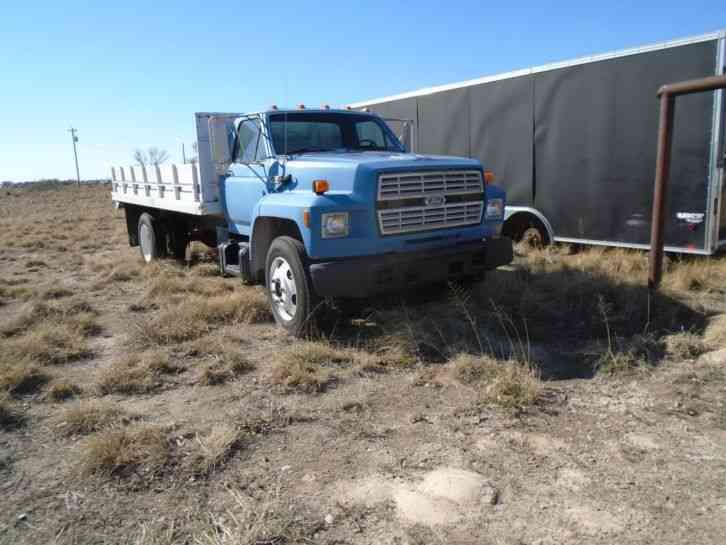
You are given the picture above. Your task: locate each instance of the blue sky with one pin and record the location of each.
(131, 74)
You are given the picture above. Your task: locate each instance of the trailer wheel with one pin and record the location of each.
(289, 289)
(152, 238)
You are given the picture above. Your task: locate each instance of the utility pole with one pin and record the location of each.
(184, 155)
(75, 154)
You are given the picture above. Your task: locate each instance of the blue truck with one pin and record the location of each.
(317, 204)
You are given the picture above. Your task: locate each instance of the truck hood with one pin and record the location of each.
(356, 172)
(380, 160)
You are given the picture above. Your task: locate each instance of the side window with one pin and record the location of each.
(251, 146)
(370, 135)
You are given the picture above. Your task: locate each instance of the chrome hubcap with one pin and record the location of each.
(146, 241)
(283, 290)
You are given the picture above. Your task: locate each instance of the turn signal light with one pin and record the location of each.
(489, 177)
(320, 186)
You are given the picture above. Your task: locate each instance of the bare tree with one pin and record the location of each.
(152, 156)
(157, 156)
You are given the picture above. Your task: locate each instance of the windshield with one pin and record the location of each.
(300, 132)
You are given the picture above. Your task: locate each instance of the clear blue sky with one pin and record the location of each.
(130, 74)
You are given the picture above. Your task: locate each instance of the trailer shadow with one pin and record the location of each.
(569, 323)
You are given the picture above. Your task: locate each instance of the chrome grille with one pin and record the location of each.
(427, 200)
(401, 185)
(424, 218)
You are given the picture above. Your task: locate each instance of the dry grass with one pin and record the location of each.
(509, 384)
(136, 373)
(215, 447)
(49, 343)
(63, 390)
(249, 522)
(227, 361)
(9, 417)
(307, 365)
(21, 378)
(715, 333)
(122, 451)
(696, 275)
(685, 345)
(55, 292)
(86, 417)
(75, 313)
(191, 308)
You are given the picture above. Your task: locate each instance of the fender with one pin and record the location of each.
(510, 211)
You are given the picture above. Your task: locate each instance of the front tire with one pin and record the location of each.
(152, 238)
(289, 289)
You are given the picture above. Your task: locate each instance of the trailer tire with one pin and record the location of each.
(289, 288)
(152, 238)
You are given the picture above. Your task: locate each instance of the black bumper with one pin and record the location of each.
(364, 276)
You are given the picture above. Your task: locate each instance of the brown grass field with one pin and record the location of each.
(552, 402)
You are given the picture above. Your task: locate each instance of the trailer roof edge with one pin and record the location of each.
(546, 67)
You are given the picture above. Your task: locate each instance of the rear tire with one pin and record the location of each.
(152, 238)
(289, 288)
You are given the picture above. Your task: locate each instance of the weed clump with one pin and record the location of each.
(63, 390)
(87, 417)
(136, 373)
(123, 451)
(214, 448)
(306, 366)
(509, 384)
(21, 378)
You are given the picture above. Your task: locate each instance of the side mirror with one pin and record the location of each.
(221, 140)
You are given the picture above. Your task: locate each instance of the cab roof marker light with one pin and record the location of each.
(489, 177)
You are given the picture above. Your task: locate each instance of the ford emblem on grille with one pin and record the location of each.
(435, 200)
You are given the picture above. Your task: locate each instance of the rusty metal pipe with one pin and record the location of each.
(662, 168)
(668, 94)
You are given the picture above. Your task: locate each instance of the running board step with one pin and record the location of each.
(234, 260)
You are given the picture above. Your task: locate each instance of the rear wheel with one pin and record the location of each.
(151, 238)
(289, 289)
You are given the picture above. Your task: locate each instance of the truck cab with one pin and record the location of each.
(318, 204)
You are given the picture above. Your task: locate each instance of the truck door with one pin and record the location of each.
(247, 180)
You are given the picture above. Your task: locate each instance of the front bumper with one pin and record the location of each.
(370, 275)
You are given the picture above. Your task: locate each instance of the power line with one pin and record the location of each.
(75, 154)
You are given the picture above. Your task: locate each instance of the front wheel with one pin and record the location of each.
(289, 289)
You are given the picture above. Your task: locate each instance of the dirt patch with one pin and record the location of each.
(548, 404)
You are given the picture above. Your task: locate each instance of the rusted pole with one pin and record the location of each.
(662, 169)
(668, 94)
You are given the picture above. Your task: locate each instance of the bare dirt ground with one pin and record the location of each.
(551, 403)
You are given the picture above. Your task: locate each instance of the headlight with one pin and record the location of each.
(495, 209)
(335, 225)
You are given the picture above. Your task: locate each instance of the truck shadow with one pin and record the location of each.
(568, 323)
